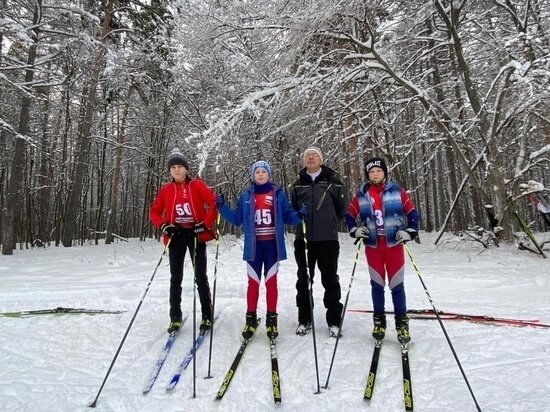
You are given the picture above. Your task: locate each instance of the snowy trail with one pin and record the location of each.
(57, 362)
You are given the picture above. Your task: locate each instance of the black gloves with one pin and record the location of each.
(169, 229)
(199, 228)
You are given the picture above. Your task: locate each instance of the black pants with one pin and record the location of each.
(324, 254)
(181, 242)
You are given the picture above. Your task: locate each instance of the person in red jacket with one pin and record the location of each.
(185, 211)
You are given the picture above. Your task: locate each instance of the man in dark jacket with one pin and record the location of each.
(324, 195)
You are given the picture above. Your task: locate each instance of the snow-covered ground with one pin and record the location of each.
(57, 362)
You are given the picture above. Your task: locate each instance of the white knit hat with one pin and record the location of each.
(316, 150)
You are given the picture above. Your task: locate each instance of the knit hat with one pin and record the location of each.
(376, 162)
(316, 150)
(177, 158)
(260, 163)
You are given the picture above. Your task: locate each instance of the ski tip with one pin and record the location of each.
(172, 383)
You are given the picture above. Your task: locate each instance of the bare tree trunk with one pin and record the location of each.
(3, 133)
(100, 187)
(75, 191)
(427, 218)
(355, 162)
(15, 187)
(117, 172)
(59, 195)
(45, 178)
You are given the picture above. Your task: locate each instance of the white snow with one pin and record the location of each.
(57, 362)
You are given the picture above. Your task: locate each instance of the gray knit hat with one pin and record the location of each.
(177, 158)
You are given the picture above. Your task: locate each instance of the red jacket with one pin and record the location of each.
(203, 207)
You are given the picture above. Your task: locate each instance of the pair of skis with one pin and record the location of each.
(427, 314)
(407, 383)
(275, 380)
(162, 358)
(60, 310)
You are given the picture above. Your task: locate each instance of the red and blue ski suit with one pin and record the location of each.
(384, 209)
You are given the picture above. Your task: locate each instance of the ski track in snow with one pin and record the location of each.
(57, 362)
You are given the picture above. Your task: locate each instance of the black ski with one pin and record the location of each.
(407, 384)
(232, 369)
(369, 388)
(275, 381)
(59, 311)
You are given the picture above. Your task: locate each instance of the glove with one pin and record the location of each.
(199, 228)
(169, 229)
(302, 212)
(220, 200)
(404, 236)
(360, 232)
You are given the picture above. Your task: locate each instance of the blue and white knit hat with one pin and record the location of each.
(260, 163)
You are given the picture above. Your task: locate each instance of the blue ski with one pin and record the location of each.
(186, 361)
(160, 360)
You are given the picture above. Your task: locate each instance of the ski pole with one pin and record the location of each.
(529, 233)
(214, 293)
(194, 256)
(94, 403)
(442, 326)
(343, 312)
(310, 290)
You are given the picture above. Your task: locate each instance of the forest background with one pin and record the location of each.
(94, 95)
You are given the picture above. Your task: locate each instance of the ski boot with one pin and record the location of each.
(334, 331)
(303, 329)
(379, 328)
(402, 327)
(251, 324)
(205, 326)
(174, 326)
(271, 325)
